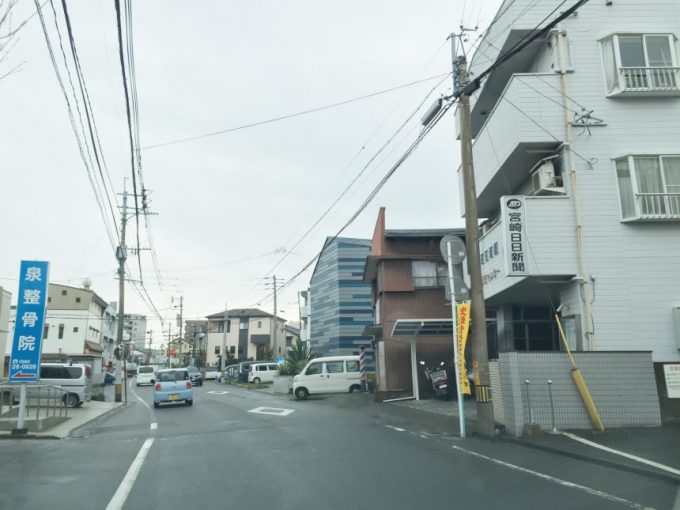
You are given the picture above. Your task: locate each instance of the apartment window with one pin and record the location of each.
(217, 349)
(75, 329)
(259, 324)
(649, 187)
(49, 299)
(534, 329)
(46, 331)
(243, 324)
(641, 63)
(428, 274)
(61, 331)
(63, 292)
(77, 300)
(232, 349)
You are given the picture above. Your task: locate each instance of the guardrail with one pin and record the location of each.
(43, 401)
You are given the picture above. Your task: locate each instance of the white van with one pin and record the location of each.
(75, 378)
(146, 374)
(262, 372)
(333, 374)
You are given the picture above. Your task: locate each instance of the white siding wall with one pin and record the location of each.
(636, 266)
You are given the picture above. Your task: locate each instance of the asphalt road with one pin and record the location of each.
(341, 452)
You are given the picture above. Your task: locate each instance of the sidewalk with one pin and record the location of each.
(77, 417)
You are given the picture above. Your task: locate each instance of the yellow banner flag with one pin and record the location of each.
(463, 326)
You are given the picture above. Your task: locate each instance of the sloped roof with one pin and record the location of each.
(241, 312)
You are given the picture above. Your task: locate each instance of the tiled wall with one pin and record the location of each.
(622, 385)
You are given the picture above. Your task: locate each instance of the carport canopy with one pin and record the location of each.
(411, 329)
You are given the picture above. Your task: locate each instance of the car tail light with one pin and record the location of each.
(158, 386)
(188, 385)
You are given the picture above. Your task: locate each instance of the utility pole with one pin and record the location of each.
(275, 325)
(223, 351)
(150, 337)
(167, 355)
(181, 340)
(480, 356)
(121, 255)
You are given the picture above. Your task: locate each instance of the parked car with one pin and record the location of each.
(75, 378)
(244, 369)
(262, 372)
(195, 376)
(210, 373)
(173, 385)
(333, 374)
(146, 374)
(230, 373)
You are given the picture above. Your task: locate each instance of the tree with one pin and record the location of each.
(298, 355)
(8, 35)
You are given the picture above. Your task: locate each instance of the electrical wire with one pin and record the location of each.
(292, 115)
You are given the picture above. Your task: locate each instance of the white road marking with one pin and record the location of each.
(217, 392)
(154, 426)
(118, 499)
(559, 481)
(641, 460)
(676, 505)
(274, 411)
(395, 428)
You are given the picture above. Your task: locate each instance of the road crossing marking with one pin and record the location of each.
(273, 411)
(123, 491)
(559, 481)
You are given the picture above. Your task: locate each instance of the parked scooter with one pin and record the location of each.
(439, 379)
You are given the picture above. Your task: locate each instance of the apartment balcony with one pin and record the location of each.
(646, 81)
(538, 255)
(525, 126)
(655, 207)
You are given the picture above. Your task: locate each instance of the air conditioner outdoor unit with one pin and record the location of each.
(544, 181)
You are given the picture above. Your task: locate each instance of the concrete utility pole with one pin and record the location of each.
(274, 325)
(169, 345)
(223, 351)
(121, 255)
(181, 340)
(150, 338)
(480, 357)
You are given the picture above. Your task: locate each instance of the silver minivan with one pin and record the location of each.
(75, 378)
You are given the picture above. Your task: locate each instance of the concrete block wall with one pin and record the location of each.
(622, 385)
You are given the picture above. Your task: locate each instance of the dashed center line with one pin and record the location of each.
(154, 426)
(395, 428)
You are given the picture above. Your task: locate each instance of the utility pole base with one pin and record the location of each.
(118, 392)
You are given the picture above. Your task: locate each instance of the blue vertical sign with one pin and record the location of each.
(28, 328)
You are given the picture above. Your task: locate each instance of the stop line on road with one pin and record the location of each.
(273, 411)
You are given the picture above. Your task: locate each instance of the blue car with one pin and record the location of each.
(173, 386)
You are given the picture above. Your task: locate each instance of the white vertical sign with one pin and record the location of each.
(514, 225)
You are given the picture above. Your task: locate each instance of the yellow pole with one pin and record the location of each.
(577, 376)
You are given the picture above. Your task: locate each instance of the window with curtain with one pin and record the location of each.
(649, 186)
(639, 62)
(428, 274)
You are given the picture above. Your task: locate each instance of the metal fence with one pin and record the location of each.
(661, 79)
(43, 401)
(660, 206)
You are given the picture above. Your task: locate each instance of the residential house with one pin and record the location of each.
(305, 314)
(248, 333)
(195, 331)
(340, 300)
(292, 335)
(408, 277)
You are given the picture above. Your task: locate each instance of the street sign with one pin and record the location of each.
(24, 365)
(457, 248)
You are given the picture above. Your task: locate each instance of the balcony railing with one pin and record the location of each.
(658, 206)
(650, 79)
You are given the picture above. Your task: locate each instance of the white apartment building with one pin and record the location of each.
(248, 334)
(576, 146)
(134, 330)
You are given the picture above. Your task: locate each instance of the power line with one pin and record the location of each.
(292, 115)
(88, 170)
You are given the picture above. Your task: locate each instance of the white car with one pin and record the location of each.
(146, 374)
(333, 374)
(211, 373)
(262, 372)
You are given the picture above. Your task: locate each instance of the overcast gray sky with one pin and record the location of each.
(208, 66)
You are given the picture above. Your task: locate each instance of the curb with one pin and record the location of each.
(70, 435)
(647, 472)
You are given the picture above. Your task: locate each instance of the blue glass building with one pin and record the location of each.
(340, 302)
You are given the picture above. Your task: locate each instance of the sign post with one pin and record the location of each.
(453, 250)
(24, 365)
